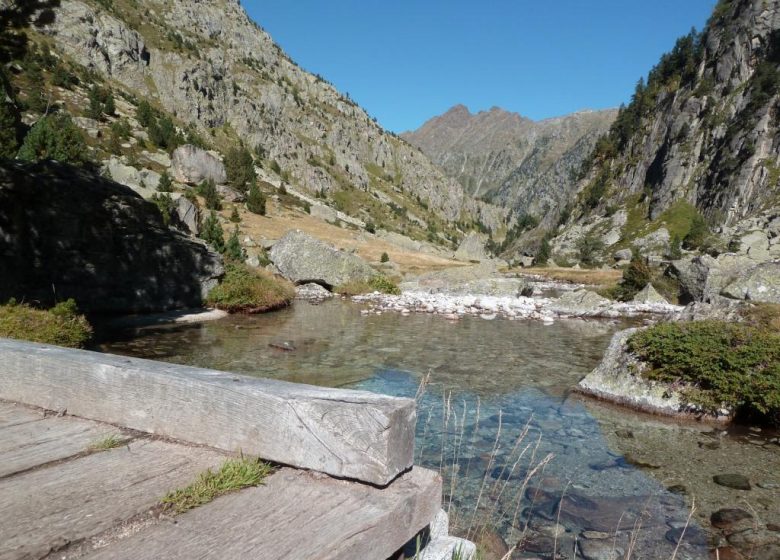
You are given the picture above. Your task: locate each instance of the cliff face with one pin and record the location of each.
(511, 160)
(122, 259)
(702, 131)
(209, 65)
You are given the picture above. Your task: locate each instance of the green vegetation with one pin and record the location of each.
(378, 283)
(55, 137)
(384, 258)
(636, 276)
(165, 205)
(240, 168)
(698, 235)
(61, 325)
(165, 185)
(589, 248)
(212, 233)
(101, 102)
(249, 291)
(162, 131)
(9, 130)
(233, 249)
(234, 474)
(719, 363)
(524, 223)
(234, 216)
(543, 253)
(208, 190)
(255, 201)
(109, 442)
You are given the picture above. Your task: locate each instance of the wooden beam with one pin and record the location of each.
(295, 515)
(350, 434)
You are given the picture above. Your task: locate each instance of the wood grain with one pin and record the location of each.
(350, 434)
(295, 516)
(45, 509)
(30, 444)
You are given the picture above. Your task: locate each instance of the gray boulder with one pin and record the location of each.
(303, 259)
(193, 165)
(312, 292)
(760, 283)
(702, 278)
(623, 255)
(143, 181)
(648, 294)
(580, 302)
(188, 214)
(472, 248)
(229, 194)
(723, 310)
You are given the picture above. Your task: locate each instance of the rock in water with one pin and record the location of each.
(725, 518)
(760, 284)
(312, 292)
(66, 232)
(303, 259)
(192, 165)
(736, 481)
(472, 248)
(648, 294)
(580, 302)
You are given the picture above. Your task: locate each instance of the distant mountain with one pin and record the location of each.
(510, 160)
(205, 63)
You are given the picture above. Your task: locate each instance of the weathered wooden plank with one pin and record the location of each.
(47, 508)
(12, 414)
(351, 434)
(27, 445)
(295, 516)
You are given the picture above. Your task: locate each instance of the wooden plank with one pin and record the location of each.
(350, 434)
(31, 444)
(12, 414)
(295, 516)
(44, 509)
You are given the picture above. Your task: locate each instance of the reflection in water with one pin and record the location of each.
(485, 374)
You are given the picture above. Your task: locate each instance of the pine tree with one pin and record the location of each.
(233, 249)
(109, 106)
(211, 232)
(240, 168)
(208, 190)
(255, 201)
(543, 254)
(145, 114)
(55, 137)
(165, 184)
(95, 108)
(234, 217)
(35, 93)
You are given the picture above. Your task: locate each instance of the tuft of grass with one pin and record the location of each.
(249, 291)
(61, 325)
(717, 363)
(111, 441)
(234, 474)
(378, 283)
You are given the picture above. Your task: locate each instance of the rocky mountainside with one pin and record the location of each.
(510, 160)
(697, 143)
(211, 67)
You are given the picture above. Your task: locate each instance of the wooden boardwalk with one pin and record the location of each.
(60, 498)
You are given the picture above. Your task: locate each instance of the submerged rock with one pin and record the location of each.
(581, 303)
(312, 292)
(304, 259)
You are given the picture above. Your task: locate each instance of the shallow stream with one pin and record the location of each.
(498, 418)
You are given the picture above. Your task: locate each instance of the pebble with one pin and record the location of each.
(736, 481)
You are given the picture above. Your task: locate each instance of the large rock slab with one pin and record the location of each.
(580, 303)
(348, 434)
(192, 165)
(649, 294)
(301, 259)
(702, 278)
(472, 248)
(68, 233)
(759, 284)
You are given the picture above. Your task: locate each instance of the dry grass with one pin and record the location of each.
(595, 277)
(280, 220)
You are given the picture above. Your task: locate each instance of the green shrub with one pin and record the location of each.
(165, 205)
(233, 249)
(589, 247)
(234, 216)
(255, 201)
(208, 190)
(61, 325)
(248, 291)
(719, 363)
(55, 137)
(240, 168)
(544, 253)
(212, 233)
(698, 235)
(384, 258)
(635, 277)
(9, 130)
(378, 283)
(165, 185)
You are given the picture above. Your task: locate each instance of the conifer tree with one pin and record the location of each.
(255, 201)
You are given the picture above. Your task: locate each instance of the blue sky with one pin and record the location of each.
(405, 61)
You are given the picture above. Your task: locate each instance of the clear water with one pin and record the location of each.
(500, 422)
